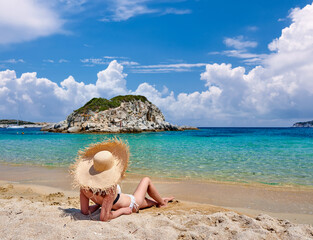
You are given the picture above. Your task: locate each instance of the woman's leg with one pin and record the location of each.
(146, 186)
(147, 203)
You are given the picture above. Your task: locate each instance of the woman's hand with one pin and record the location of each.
(127, 210)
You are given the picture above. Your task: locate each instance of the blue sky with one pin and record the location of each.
(164, 44)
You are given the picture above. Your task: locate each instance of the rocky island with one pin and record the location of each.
(303, 124)
(121, 114)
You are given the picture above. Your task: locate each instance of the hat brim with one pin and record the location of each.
(86, 177)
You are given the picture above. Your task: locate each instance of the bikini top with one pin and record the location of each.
(119, 191)
(118, 188)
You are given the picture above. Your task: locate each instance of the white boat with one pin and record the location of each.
(15, 127)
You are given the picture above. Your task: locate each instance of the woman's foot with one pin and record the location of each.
(165, 201)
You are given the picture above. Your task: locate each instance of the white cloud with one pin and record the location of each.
(299, 35)
(90, 62)
(111, 81)
(129, 63)
(241, 50)
(252, 28)
(114, 57)
(27, 20)
(40, 99)
(176, 11)
(137, 68)
(122, 10)
(63, 60)
(239, 43)
(282, 86)
(189, 107)
(165, 68)
(13, 61)
(249, 58)
(93, 61)
(74, 6)
(48, 60)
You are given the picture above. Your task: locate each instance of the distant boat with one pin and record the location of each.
(15, 126)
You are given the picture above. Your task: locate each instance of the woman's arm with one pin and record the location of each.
(119, 212)
(84, 203)
(93, 208)
(106, 214)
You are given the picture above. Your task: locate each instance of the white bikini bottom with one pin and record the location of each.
(133, 203)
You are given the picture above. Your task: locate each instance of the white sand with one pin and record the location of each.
(28, 212)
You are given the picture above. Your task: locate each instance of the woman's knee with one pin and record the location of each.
(146, 179)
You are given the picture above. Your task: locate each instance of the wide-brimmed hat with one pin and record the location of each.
(100, 166)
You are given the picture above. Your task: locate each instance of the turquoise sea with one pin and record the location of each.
(275, 156)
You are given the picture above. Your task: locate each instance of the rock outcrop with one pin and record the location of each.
(120, 114)
(303, 124)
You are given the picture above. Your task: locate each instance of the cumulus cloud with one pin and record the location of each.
(40, 99)
(27, 20)
(279, 90)
(193, 107)
(281, 87)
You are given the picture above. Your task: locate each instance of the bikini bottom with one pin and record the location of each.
(133, 203)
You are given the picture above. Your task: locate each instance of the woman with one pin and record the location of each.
(97, 171)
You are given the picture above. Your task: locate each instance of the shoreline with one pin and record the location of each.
(279, 186)
(117, 132)
(295, 204)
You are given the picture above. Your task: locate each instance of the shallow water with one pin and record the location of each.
(265, 155)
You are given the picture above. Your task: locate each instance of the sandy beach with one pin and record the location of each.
(40, 204)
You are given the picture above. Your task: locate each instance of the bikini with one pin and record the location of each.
(119, 191)
(132, 204)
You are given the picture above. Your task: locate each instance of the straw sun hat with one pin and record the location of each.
(100, 166)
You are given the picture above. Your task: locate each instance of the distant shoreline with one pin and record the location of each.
(7, 123)
(22, 126)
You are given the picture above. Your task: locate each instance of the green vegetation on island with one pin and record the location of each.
(102, 104)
